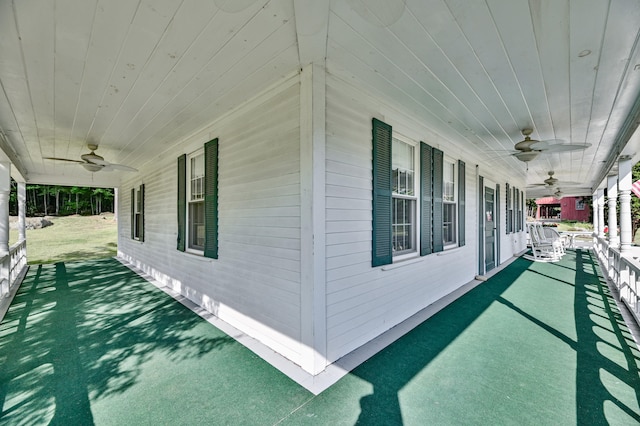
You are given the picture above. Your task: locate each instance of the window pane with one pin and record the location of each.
(403, 168)
(137, 225)
(138, 202)
(449, 179)
(197, 178)
(449, 223)
(196, 226)
(403, 225)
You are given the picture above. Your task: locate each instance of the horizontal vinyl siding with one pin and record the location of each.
(363, 302)
(255, 283)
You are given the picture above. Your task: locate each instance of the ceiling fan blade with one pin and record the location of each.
(121, 167)
(63, 159)
(564, 147)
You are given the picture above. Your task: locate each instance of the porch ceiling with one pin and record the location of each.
(137, 77)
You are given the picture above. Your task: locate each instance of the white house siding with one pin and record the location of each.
(255, 283)
(363, 302)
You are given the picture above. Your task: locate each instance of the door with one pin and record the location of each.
(489, 229)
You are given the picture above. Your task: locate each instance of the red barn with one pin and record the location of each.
(566, 208)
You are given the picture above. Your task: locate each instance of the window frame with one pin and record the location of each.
(448, 161)
(137, 212)
(415, 198)
(188, 190)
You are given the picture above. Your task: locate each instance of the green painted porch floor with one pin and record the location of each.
(93, 343)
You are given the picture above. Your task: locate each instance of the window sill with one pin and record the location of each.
(403, 261)
(449, 250)
(199, 253)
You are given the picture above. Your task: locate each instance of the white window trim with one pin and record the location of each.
(450, 161)
(189, 249)
(415, 252)
(136, 210)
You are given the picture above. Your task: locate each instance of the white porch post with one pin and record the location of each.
(624, 186)
(601, 213)
(612, 198)
(594, 209)
(22, 211)
(5, 190)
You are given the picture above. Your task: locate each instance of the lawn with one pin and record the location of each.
(71, 238)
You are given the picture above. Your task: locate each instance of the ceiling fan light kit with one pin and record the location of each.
(526, 156)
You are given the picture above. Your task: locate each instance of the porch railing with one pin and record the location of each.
(11, 266)
(623, 271)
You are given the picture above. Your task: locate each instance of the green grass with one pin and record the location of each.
(71, 238)
(575, 226)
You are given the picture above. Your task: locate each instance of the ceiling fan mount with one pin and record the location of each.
(93, 162)
(550, 181)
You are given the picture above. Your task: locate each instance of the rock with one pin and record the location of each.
(37, 223)
(31, 222)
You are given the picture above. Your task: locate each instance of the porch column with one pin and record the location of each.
(596, 219)
(22, 211)
(612, 198)
(601, 213)
(624, 187)
(5, 190)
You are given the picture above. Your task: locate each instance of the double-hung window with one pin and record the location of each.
(195, 197)
(418, 200)
(449, 204)
(198, 201)
(137, 213)
(404, 198)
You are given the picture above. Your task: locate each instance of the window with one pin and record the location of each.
(449, 206)
(509, 208)
(404, 198)
(198, 201)
(418, 198)
(195, 221)
(579, 204)
(137, 213)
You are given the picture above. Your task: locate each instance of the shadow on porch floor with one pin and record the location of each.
(93, 343)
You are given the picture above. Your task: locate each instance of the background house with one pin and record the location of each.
(565, 208)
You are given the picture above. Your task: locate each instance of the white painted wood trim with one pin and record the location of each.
(312, 233)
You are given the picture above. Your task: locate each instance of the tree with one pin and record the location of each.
(532, 207)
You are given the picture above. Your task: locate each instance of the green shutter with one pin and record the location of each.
(426, 195)
(182, 201)
(211, 199)
(438, 158)
(133, 213)
(141, 230)
(382, 252)
(497, 222)
(461, 202)
(481, 224)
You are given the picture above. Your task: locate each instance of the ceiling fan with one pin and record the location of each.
(529, 149)
(551, 181)
(94, 162)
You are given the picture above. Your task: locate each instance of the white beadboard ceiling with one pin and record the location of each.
(136, 77)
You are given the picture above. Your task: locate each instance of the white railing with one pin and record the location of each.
(623, 271)
(11, 266)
